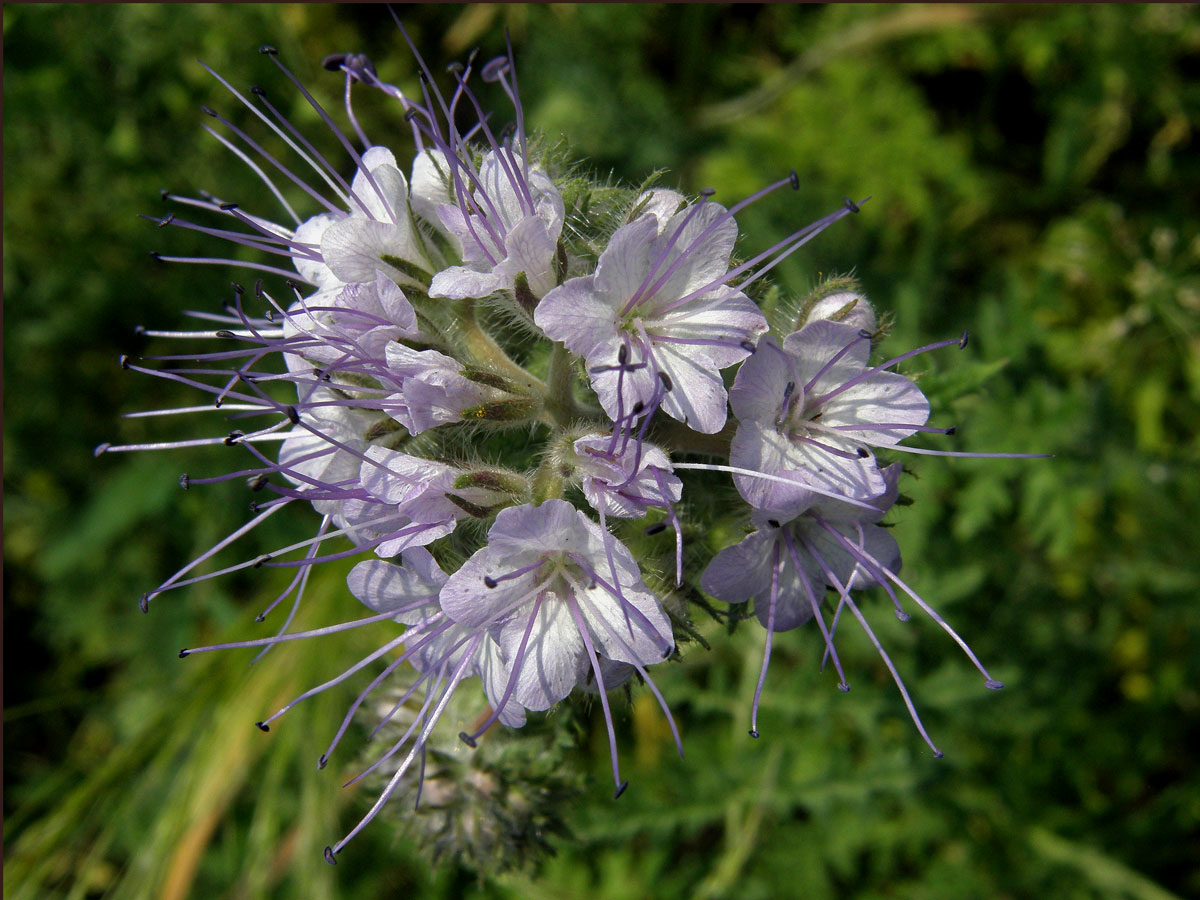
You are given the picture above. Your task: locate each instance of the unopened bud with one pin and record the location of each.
(847, 307)
(501, 411)
(493, 480)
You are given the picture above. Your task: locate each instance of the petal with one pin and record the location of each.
(626, 261)
(758, 388)
(580, 316)
(697, 397)
(555, 659)
(532, 250)
(742, 571)
(354, 249)
(310, 232)
(460, 282)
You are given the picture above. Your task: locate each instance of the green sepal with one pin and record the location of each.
(501, 411)
(493, 480)
(489, 378)
(524, 294)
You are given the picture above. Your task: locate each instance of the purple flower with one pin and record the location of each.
(537, 586)
(507, 224)
(785, 567)
(811, 411)
(624, 478)
(657, 313)
(438, 389)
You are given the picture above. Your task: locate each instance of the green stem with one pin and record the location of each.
(560, 380)
(678, 438)
(485, 349)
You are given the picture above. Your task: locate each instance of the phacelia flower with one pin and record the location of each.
(490, 492)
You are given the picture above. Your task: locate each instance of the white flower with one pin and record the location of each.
(507, 222)
(537, 585)
(656, 323)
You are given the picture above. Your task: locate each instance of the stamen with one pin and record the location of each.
(511, 684)
(881, 573)
(750, 473)
(491, 581)
(585, 634)
(772, 604)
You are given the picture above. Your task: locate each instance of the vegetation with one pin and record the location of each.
(1034, 178)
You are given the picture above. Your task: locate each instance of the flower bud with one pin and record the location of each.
(838, 299)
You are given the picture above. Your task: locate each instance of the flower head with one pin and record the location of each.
(359, 391)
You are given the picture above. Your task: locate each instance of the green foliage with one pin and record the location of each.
(1034, 179)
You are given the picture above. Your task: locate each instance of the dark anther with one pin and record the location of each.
(623, 355)
(410, 115)
(208, 111)
(656, 528)
(257, 91)
(938, 755)
(747, 346)
(154, 254)
(794, 179)
(261, 727)
(124, 361)
(185, 481)
(333, 62)
(359, 65)
(494, 69)
(489, 581)
(424, 78)
(293, 284)
(789, 389)
(620, 789)
(863, 452)
(268, 50)
(226, 207)
(293, 415)
(265, 558)
(139, 329)
(637, 408)
(258, 288)
(993, 685)
(666, 380)
(456, 68)
(224, 333)
(253, 506)
(952, 429)
(257, 482)
(101, 449)
(754, 733)
(269, 315)
(166, 220)
(864, 334)
(467, 739)
(323, 761)
(237, 288)
(843, 687)
(509, 130)
(233, 437)
(164, 194)
(144, 603)
(962, 342)
(774, 523)
(184, 652)
(850, 204)
(329, 856)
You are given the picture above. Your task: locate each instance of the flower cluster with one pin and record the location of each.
(484, 373)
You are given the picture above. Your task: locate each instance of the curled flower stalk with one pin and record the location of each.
(500, 485)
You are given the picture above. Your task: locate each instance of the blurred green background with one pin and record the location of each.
(1035, 178)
